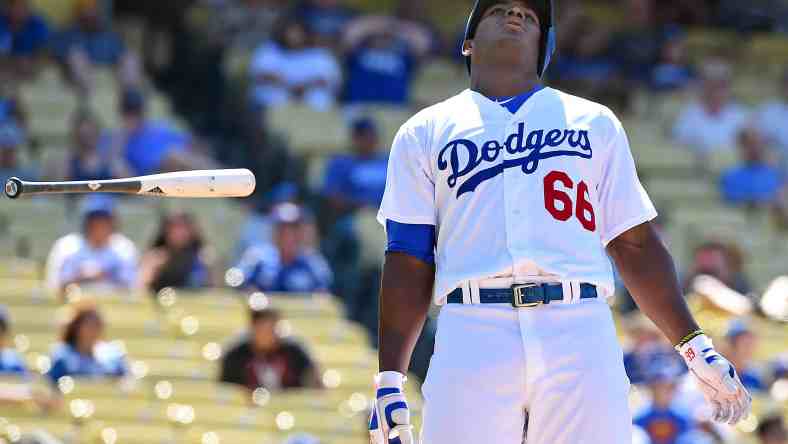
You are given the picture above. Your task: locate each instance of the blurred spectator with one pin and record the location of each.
(261, 358)
(11, 141)
(583, 62)
(243, 23)
(12, 366)
(258, 227)
(11, 362)
(754, 182)
(648, 349)
(771, 118)
(88, 157)
(148, 146)
(259, 149)
(87, 42)
(177, 257)
(772, 430)
(382, 54)
(741, 343)
(99, 257)
(11, 107)
(23, 36)
(326, 19)
(302, 438)
(750, 16)
(779, 369)
(712, 121)
(357, 180)
(720, 261)
(82, 352)
(662, 419)
(636, 48)
(290, 264)
(672, 71)
(89, 32)
(291, 68)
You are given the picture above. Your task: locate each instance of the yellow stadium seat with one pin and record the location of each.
(310, 132)
(58, 11)
(704, 41)
(437, 81)
(682, 190)
(767, 50)
(372, 235)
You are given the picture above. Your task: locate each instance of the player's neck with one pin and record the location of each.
(502, 82)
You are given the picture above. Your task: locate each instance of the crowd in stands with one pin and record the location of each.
(303, 237)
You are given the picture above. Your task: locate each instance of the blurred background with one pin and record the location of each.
(139, 320)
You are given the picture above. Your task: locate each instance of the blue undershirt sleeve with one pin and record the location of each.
(415, 240)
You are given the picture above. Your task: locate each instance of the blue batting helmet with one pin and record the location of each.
(546, 15)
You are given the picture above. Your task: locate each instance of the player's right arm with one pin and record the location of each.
(409, 214)
(406, 291)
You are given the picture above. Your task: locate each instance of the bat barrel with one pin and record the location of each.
(13, 187)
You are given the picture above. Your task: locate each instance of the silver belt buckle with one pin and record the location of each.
(518, 292)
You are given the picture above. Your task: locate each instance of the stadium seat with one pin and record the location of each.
(682, 190)
(57, 11)
(372, 236)
(326, 132)
(437, 81)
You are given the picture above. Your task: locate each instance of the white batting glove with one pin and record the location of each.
(390, 419)
(717, 379)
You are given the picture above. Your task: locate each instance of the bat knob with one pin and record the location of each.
(13, 188)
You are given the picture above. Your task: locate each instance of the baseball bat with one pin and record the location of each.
(201, 183)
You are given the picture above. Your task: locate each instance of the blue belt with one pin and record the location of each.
(524, 295)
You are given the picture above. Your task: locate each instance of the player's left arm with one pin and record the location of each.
(648, 271)
(649, 274)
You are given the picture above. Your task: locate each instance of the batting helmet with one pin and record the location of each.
(547, 18)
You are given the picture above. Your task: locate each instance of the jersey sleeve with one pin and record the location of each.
(623, 201)
(409, 197)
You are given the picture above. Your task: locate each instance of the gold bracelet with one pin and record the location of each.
(689, 337)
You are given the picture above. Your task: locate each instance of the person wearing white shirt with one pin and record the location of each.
(98, 258)
(713, 121)
(289, 69)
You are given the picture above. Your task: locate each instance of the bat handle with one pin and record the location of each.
(13, 188)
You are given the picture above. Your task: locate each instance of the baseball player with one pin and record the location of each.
(504, 204)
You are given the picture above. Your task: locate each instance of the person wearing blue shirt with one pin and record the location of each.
(22, 33)
(754, 182)
(325, 18)
(358, 179)
(741, 342)
(380, 60)
(82, 353)
(638, 363)
(149, 147)
(11, 362)
(663, 421)
(89, 33)
(287, 265)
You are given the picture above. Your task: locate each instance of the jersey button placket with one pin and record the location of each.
(512, 185)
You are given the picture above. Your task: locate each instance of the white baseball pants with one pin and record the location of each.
(560, 362)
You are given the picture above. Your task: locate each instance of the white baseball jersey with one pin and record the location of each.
(539, 192)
